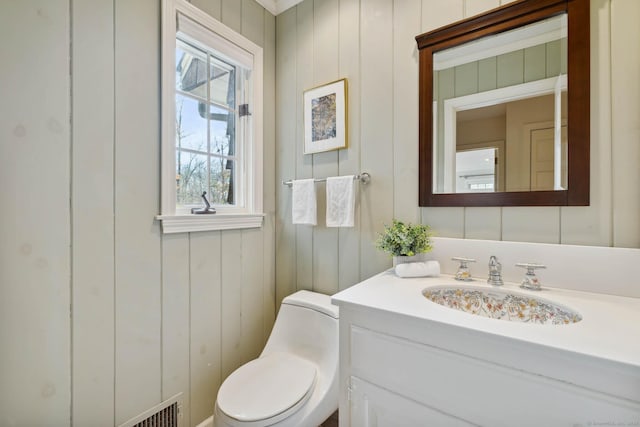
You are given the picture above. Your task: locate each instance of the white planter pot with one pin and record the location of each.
(405, 259)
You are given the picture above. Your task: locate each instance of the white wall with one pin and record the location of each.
(372, 45)
(102, 315)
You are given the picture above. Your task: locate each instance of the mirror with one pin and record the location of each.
(504, 107)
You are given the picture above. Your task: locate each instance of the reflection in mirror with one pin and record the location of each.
(500, 110)
(476, 170)
(514, 82)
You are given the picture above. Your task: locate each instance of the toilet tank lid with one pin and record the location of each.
(314, 301)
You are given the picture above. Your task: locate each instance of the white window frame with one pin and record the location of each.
(249, 213)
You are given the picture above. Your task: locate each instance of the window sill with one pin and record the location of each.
(191, 223)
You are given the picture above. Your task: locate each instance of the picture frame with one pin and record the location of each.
(325, 117)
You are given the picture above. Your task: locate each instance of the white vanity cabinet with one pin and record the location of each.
(372, 405)
(407, 363)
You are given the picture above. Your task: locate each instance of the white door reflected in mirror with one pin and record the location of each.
(476, 170)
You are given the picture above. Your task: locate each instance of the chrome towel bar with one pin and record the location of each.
(364, 178)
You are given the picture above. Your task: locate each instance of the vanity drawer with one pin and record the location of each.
(475, 390)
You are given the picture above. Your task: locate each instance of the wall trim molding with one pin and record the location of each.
(276, 7)
(191, 223)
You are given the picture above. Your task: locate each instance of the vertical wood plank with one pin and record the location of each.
(377, 115)
(286, 41)
(34, 255)
(436, 13)
(554, 58)
(445, 222)
(446, 83)
(406, 24)
(231, 14)
(446, 90)
(253, 21)
(269, 179)
(349, 160)
(483, 223)
(269, 272)
(564, 56)
(625, 115)
(325, 69)
(592, 225)
(475, 7)
(253, 241)
(304, 163)
(510, 68)
(212, 7)
(466, 79)
(176, 305)
(251, 284)
(231, 267)
(487, 74)
(207, 302)
(92, 212)
(535, 63)
(137, 236)
(531, 224)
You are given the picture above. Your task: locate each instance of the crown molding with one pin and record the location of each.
(270, 5)
(278, 6)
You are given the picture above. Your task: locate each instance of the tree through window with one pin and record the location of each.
(206, 118)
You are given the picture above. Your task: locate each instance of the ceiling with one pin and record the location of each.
(278, 6)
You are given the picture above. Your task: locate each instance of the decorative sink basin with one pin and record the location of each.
(502, 305)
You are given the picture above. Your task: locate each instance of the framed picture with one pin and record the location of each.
(325, 117)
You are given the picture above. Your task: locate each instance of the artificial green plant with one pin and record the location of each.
(405, 239)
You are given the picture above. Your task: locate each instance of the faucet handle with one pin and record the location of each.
(530, 280)
(463, 273)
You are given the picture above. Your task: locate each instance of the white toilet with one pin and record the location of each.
(294, 382)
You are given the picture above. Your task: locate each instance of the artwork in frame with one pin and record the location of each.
(325, 117)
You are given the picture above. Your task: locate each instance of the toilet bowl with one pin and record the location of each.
(294, 382)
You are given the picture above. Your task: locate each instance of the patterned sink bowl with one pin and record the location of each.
(502, 305)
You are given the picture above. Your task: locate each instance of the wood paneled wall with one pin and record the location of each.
(104, 317)
(35, 231)
(373, 46)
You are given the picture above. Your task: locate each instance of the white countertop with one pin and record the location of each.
(609, 329)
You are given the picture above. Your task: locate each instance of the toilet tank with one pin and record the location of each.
(306, 325)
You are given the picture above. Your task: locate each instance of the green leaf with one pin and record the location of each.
(405, 239)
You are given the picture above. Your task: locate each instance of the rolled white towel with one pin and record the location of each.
(418, 269)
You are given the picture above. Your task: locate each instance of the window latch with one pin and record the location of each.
(243, 110)
(207, 209)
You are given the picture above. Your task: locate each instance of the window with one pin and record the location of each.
(206, 125)
(211, 123)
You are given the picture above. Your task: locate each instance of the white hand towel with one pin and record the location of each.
(418, 269)
(340, 201)
(303, 202)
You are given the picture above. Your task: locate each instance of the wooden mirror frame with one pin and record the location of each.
(508, 17)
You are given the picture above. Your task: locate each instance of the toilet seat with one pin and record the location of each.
(268, 388)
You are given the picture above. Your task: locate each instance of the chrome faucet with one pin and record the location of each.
(495, 272)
